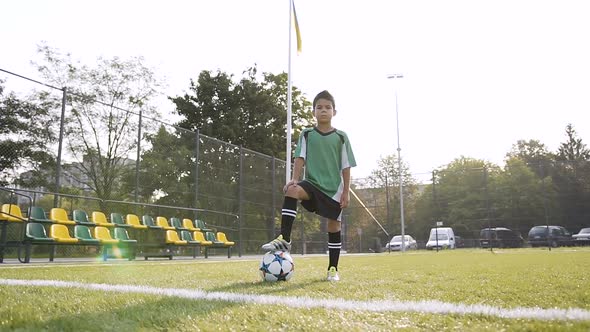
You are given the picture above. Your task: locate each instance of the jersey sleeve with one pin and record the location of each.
(347, 154)
(301, 149)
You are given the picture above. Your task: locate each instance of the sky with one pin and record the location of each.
(478, 75)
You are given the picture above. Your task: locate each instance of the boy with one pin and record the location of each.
(328, 157)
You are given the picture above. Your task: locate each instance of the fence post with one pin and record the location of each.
(545, 205)
(138, 156)
(271, 224)
(240, 202)
(487, 196)
(60, 146)
(197, 147)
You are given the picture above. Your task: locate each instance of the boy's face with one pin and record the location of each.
(324, 111)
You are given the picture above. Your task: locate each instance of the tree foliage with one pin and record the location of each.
(250, 112)
(102, 122)
(26, 135)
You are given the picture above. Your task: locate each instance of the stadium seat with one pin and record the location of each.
(100, 219)
(37, 214)
(177, 224)
(201, 225)
(82, 233)
(35, 234)
(12, 213)
(223, 238)
(59, 215)
(173, 239)
(149, 222)
(133, 221)
(60, 234)
(103, 234)
(198, 236)
(117, 220)
(217, 243)
(81, 218)
(188, 224)
(186, 236)
(123, 237)
(163, 222)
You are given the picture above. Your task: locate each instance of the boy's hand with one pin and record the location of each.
(290, 183)
(344, 199)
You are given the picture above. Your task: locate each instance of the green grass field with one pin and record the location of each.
(507, 279)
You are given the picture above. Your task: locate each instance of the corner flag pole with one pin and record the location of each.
(289, 102)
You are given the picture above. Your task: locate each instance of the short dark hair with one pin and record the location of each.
(324, 95)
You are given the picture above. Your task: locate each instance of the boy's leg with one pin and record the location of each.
(334, 246)
(288, 214)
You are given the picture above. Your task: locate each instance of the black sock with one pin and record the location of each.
(288, 216)
(334, 245)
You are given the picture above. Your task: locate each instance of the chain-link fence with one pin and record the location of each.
(101, 158)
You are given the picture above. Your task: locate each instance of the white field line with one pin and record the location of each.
(432, 307)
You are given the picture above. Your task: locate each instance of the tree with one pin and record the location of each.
(251, 113)
(534, 154)
(25, 138)
(102, 123)
(571, 177)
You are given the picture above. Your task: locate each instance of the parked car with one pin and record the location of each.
(396, 243)
(441, 237)
(583, 237)
(500, 237)
(459, 243)
(554, 236)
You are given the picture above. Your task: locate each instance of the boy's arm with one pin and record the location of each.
(345, 198)
(297, 169)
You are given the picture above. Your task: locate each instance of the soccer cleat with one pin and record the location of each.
(333, 274)
(277, 244)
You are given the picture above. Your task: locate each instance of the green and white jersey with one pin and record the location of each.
(326, 155)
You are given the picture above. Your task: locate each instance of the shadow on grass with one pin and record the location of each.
(262, 287)
(151, 314)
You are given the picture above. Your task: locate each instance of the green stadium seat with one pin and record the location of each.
(118, 221)
(177, 224)
(82, 233)
(81, 218)
(148, 221)
(123, 237)
(37, 214)
(201, 225)
(35, 234)
(186, 236)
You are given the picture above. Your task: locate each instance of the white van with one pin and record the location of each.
(446, 238)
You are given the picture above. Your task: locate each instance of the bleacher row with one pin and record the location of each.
(150, 238)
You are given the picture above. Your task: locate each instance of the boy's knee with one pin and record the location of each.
(295, 191)
(334, 226)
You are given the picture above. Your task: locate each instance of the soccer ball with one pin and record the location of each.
(276, 266)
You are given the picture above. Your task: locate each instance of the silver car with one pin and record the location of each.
(396, 243)
(583, 237)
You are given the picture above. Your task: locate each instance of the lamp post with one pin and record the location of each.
(399, 166)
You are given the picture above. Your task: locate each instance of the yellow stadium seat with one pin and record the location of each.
(103, 234)
(100, 219)
(11, 212)
(198, 236)
(163, 222)
(61, 234)
(188, 224)
(133, 220)
(60, 216)
(172, 238)
(223, 238)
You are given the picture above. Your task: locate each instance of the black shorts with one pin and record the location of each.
(320, 203)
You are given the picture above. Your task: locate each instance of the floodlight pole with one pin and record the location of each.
(399, 166)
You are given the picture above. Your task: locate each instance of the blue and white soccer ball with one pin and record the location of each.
(277, 266)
